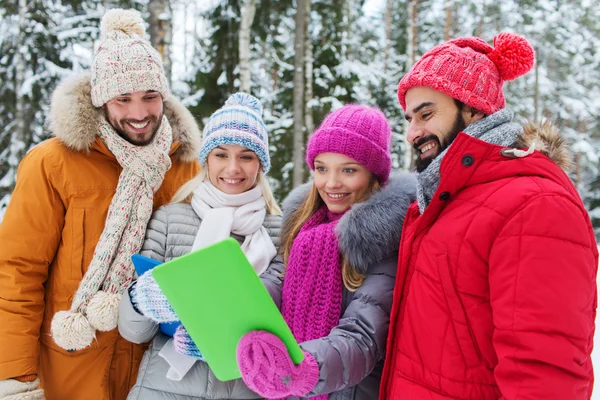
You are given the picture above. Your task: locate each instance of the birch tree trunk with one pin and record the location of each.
(161, 32)
(195, 39)
(19, 139)
(413, 31)
(298, 153)
(248, 11)
(411, 52)
(449, 25)
(388, 34)
(479, 31)
(309, 122)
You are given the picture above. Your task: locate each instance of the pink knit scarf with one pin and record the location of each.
(312, 288)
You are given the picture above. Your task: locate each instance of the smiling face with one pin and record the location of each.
(233, 169)
(136, 116)
(341, 181)
(435, 119)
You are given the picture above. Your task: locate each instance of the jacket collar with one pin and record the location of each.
(551, 159)
(74, 120)
(470, 161)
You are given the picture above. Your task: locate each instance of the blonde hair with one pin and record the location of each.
(352, 279)
(184, 194)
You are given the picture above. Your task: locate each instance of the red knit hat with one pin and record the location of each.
(470, 70)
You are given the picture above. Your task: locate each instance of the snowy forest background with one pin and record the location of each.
(303, 58)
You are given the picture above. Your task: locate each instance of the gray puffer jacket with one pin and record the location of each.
(350, 358)
(170, 234)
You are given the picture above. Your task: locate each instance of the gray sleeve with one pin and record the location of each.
(133, 326)
(350, 352)
(272, 279)
(272, 224)
(155, 242)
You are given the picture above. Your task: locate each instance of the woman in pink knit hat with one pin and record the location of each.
(339, 246)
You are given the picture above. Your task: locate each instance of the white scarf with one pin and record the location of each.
(242, 214)
(223, 214)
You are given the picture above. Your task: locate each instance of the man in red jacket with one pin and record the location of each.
(496, 288)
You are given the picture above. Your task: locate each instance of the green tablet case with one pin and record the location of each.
(219, 298)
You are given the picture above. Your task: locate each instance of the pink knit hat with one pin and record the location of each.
(359, 132)
(470, 70)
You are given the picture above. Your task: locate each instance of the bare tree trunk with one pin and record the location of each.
(388, 34)
(298, 153)
(309, 122)
(18, 141)
(346, 33)
(413, 31)
(479, 30)
(448, 28)
(168, 28)
(275, 76)
(195, 38)
(161, 33)
(411, 52)
(185, 37)
(248, 11)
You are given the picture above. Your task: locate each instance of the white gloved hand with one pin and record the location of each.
(12, 389)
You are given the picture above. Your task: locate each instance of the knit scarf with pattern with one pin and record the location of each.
(95, 304)
(311, 300)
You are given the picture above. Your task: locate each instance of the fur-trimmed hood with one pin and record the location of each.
(74, 119)
(548, 141)
(370, 231)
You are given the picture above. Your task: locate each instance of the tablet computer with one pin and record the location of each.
(141, 265)
(219, 298)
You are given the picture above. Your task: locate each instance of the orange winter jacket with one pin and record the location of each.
(47, 239)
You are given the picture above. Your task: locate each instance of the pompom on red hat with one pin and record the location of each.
(471, 71)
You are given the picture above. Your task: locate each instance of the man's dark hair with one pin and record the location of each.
(460, 106)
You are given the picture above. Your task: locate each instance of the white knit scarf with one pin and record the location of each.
(223, 214)
(242, 214)
(95, 304)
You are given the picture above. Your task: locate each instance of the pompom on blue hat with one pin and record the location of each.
(239, 122)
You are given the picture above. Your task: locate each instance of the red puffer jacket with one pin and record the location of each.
(496, 292)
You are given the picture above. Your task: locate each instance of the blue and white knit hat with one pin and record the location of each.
(240, 122)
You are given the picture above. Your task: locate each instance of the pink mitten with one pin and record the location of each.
(267, 369)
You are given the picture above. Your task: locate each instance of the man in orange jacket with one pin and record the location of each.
(122, 146)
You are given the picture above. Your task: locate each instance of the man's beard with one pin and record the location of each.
(458, 126)
(118, 127)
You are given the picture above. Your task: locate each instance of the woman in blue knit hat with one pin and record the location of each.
(230, 197)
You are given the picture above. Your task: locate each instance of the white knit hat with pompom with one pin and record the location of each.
(125, 62)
